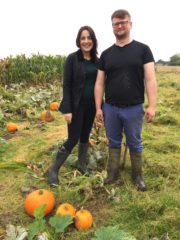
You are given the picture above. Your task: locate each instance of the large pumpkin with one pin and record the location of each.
(66, 209)
(83, 219)
(54, 106)
(11, 127)
(37, 198)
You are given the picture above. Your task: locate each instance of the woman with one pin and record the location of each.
(78, 104)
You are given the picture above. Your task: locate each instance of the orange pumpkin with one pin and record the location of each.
(46, 116)
(37, 198)
(54, 106)
(83, 219)
(11, 127)
(66, 209)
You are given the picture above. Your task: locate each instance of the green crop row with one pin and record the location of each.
(35, 69)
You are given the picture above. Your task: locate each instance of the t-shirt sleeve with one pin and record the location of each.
(148, 55)
(101, 63)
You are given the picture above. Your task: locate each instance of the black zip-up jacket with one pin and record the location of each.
(73, 82)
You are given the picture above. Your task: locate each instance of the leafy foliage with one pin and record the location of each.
(175, 60)
(17, 103)
(60, 222)
(113, 233)
(39, 226)
(35, 69)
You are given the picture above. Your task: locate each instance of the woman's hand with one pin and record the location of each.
(68, 117)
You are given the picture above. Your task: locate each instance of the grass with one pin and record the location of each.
(154, 214)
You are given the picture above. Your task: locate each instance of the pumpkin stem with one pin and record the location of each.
(40, 192)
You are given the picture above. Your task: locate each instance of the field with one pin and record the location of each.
(26, 154)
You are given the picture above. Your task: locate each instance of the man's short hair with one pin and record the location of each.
(121, 13)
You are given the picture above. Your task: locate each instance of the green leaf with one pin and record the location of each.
(60, 222)
(39, 212)
(38, 226)
(12, 165)
(113, 233)
(33, 98)
(1, 115)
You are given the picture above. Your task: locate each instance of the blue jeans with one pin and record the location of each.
(128, 120)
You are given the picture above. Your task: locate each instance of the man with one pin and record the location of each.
(124, 69)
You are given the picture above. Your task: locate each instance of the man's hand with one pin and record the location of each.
(149, 114)
(99, 116)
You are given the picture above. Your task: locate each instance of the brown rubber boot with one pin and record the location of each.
(113, 166)
(136, 171)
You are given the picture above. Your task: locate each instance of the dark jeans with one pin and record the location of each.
(80, 127)
(128, 120)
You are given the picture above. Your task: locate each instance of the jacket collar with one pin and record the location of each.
(80, 55)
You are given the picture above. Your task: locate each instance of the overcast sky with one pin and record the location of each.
(51, 26)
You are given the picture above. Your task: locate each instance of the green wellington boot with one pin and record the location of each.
(136, 170)
(82, 158)
(113, 166)
(53, 171)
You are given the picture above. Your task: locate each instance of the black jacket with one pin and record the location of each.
(73, 82)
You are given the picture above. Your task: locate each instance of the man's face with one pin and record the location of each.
(121, 27)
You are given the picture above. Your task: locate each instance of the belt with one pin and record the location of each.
(121, 105)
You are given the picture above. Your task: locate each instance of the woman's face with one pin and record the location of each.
(86, 43)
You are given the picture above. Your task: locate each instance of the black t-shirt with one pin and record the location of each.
(123, 67)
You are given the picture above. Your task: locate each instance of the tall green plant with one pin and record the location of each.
(35, 69)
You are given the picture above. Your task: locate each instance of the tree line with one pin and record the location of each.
(174, 60)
